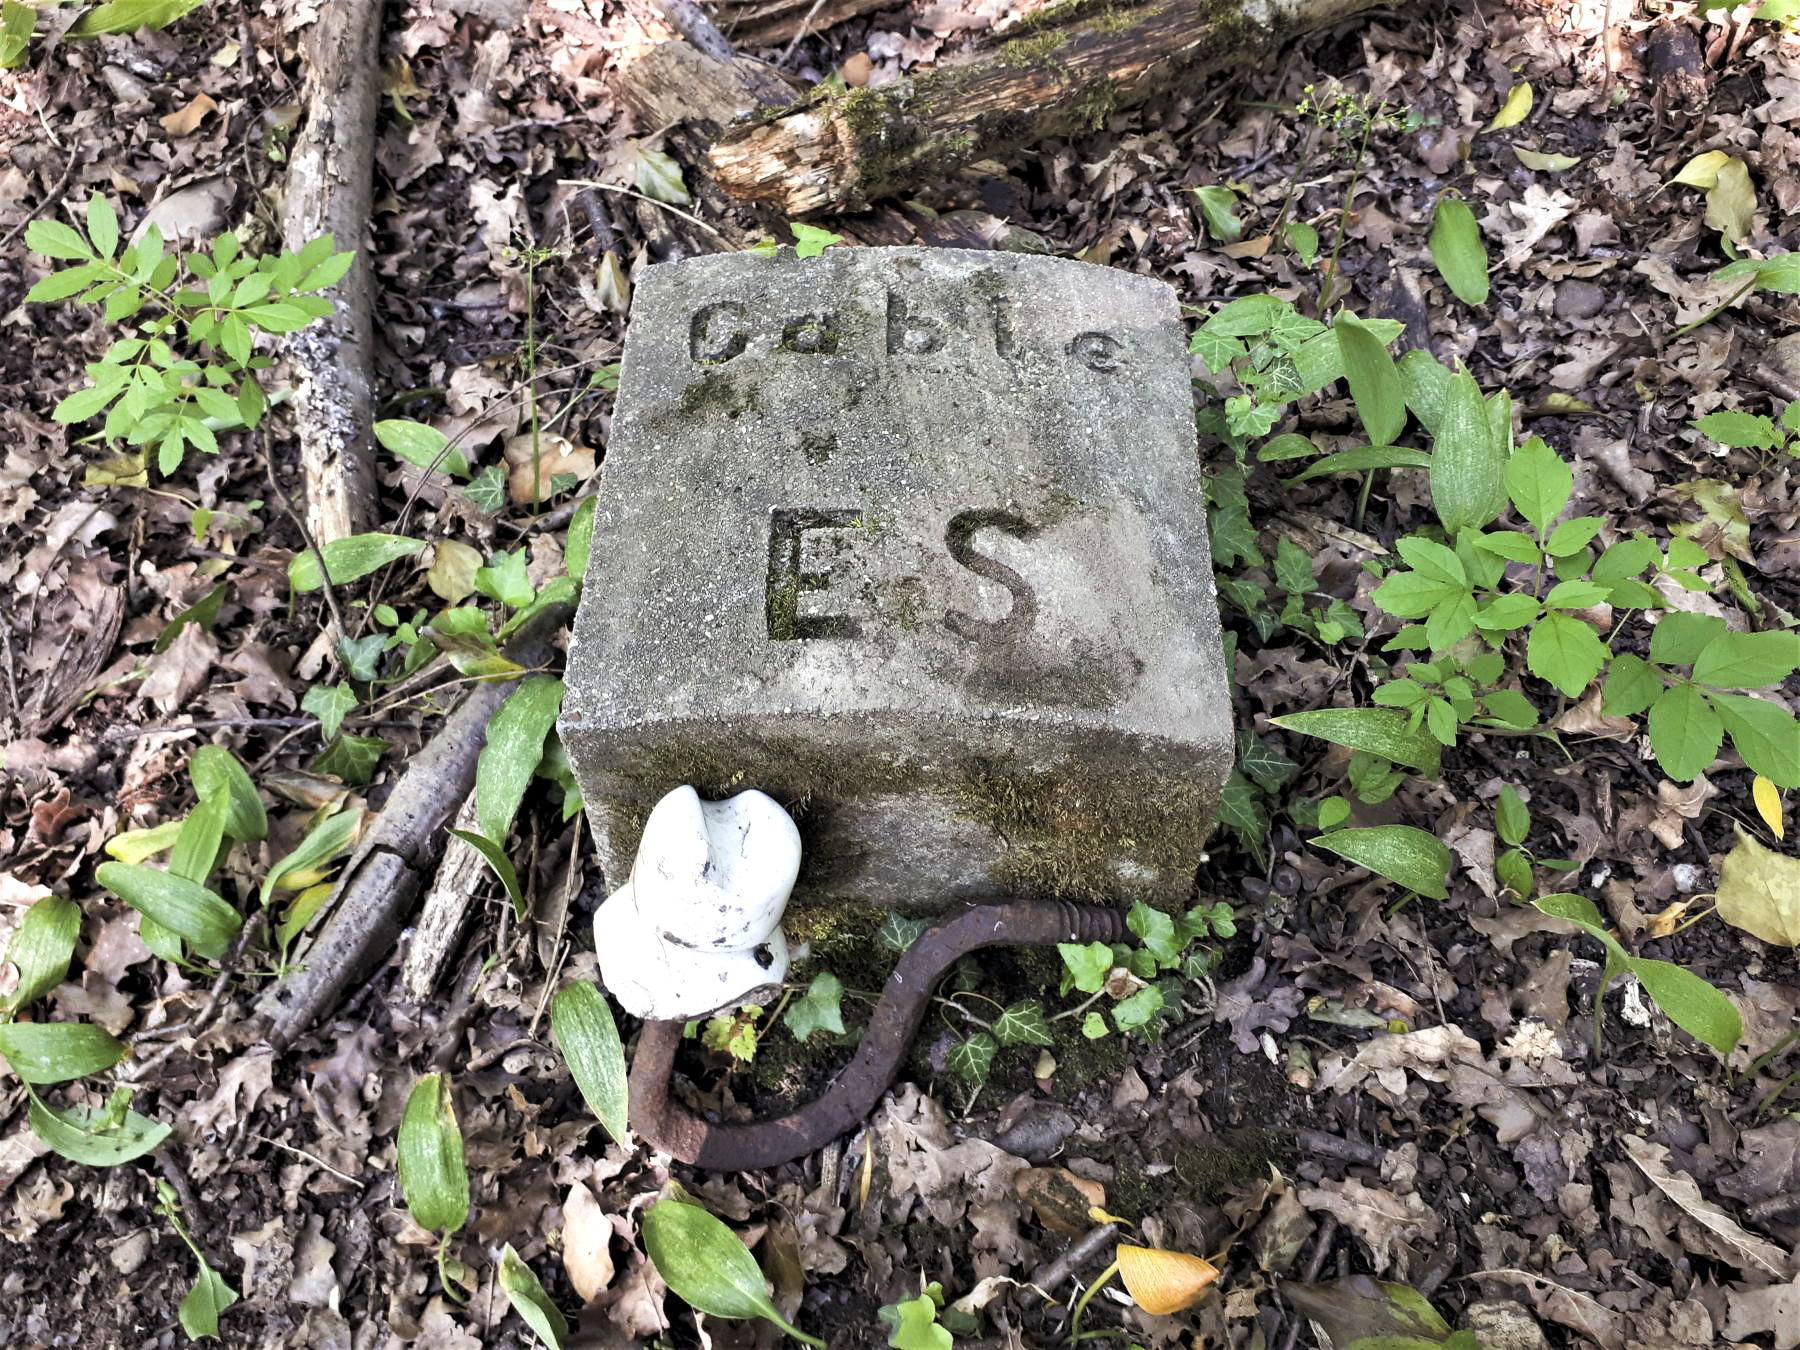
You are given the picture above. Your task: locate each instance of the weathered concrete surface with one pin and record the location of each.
(913, 541)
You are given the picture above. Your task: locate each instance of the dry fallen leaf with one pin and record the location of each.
(1772, 1307)
(1743, 1249)
(186, 120)
(1759, 892)
(556, 455)
(1059, 1198)
(586, 1243)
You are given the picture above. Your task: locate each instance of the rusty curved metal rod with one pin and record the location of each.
(664, 1122)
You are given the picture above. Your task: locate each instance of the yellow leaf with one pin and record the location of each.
(1731, 201)
(1099, 1215)
(1702, 171)
(1768, 805)
(1518, 106)
(1162, 1282)
(1543, 160)
(1759, 892)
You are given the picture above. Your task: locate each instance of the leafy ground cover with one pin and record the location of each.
(1344, 1076)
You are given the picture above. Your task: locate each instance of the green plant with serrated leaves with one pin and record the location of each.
(1692, 686)
(187, 365)
(1770, 437)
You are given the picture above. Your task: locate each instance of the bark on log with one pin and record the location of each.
(1063, 72)
(328, 189)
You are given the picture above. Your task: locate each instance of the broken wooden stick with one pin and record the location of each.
(1063, 71)
(378, 885)
(328, 191)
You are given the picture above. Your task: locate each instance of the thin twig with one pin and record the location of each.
(49, 199)
(311, 1158)
(800, 32)
(141, 1069)
(672, 210)
(337, 615)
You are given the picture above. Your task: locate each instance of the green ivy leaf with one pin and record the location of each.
(1138, 1011)
(810, 240)
(504, 579)
(916, 1326)
(1156, 931)
(429, 1157)
(331, 704)
(487, 489)
(351, 758)
(1023, 1023)
(1088, 964)
(1218, 207)
(897, 932)
(210, 1296)
(818, 1009)
(970, 1059)
(658, 176)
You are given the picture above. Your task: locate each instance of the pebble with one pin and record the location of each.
(1579, 300)
(1502, 1324)
(1687, 877)
(1038, 1134)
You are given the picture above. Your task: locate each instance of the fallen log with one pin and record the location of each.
(328, 191)
(1063, 71)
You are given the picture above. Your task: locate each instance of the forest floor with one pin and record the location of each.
(1409, 1091)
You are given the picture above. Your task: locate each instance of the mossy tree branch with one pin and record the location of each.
(1063, 72)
